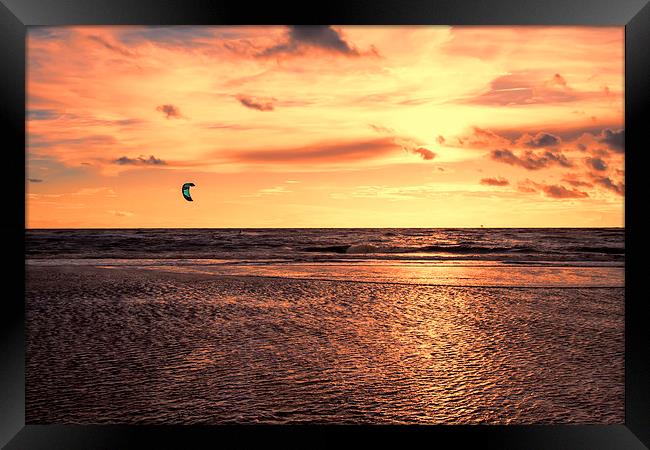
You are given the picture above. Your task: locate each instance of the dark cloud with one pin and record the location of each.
(34, 180)
(495, 181)
(565, 132)
(425, 153)
(316, 36)
(596, 164)
(558, 191)
(531, 160)
(256, 103)
(600, 152)
(140, 160)
(608, 183)
(613, 139)
(539, 140)
(170, 111)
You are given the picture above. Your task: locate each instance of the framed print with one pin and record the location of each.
(310, 224)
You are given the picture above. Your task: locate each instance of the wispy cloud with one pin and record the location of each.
(120, 213)
(528, 88)
(320, 152)
(111, 46)
(275, 190)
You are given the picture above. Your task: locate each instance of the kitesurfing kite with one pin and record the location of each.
(186, 191)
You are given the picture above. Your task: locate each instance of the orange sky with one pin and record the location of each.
(325, 126)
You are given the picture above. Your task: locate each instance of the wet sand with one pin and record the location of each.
(128, 345)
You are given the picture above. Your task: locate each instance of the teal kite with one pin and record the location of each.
(186, 191)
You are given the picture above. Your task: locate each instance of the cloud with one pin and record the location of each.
(82, 120)
(559, 80)
(140, 160)
(171, 36)
(426, 154)
(120, 213)
(527, 186)
(608, 183)
(574, 181)
(481, 137)
(530, 160)
(615, 140)
(381, 129)
(539, 140)
(115, 48)
(34, 180)
(558, 191)
(314, 36)
(528, 88)
(35, 141)
(596, 164)
(565, 131)
(45, 33)
(256, 103)
(42, 114)
(276, 190)
(170, 111)
(323, 152)
(550, 190)
(495, 181)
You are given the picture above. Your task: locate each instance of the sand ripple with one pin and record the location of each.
(136, 346)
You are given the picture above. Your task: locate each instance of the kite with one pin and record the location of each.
(186, 191)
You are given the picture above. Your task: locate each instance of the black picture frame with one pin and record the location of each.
(16, 15)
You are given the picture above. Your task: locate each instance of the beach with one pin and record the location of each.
(151, 344)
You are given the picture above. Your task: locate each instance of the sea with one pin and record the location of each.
(370, 326)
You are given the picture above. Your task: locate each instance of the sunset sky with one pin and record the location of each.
(325, 126)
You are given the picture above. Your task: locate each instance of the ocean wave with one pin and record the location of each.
(457, 249)
(328, 244)
(607, 250)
